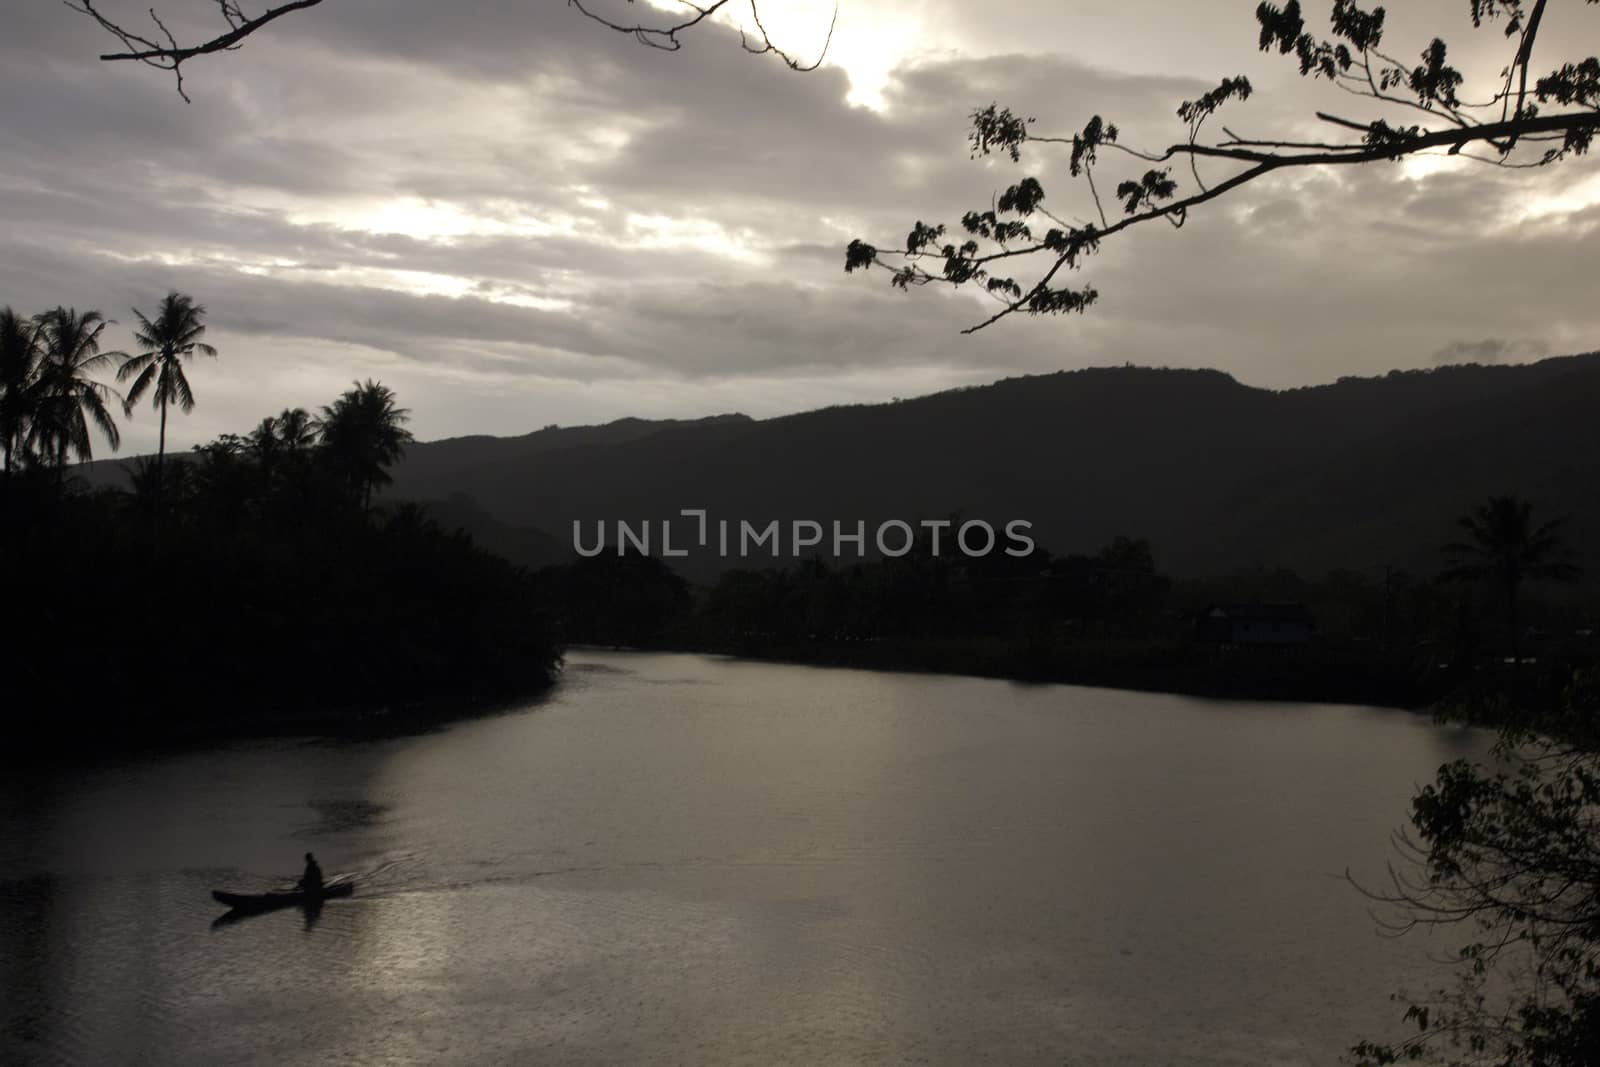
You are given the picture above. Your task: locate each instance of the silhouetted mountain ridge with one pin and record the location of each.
(1220, 476)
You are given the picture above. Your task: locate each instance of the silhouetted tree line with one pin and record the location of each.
(247, 585)
(1112, 618)
(621, 601)
(928, 595)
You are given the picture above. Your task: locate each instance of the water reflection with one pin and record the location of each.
(309, 910)
(701, 860)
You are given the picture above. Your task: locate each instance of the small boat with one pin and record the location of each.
(284, 899)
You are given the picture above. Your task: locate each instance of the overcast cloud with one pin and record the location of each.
(515, 217)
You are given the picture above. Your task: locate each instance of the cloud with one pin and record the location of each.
(515, 212)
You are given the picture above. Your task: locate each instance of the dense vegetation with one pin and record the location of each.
(1112, 617)
(248, 586)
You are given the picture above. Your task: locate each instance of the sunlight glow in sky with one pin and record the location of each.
(1576, 197)
(869, 40)
(431, 219)
(704, 235)
(663, 234)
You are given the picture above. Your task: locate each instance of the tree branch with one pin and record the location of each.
(171, 56)
(166, 53)
(1352, 61)
(662, 37)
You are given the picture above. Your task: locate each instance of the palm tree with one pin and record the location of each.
(1506, 549)
(19, 375)
(283, 447)
(173, 337)
(263, 441)
(362, 433)
(68, 399)
(296, 430)
(291, 432)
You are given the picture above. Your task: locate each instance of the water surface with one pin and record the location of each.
(682, 859)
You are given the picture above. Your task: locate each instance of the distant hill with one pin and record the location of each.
(437, 464)
(1219, 476)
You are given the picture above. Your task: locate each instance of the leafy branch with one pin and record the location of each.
(1351, 59)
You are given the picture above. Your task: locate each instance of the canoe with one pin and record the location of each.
(286, 899)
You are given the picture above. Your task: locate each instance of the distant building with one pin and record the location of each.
(1255, 624)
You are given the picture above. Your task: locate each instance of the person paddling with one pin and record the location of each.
(311, 881)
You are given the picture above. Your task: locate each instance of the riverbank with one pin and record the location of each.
(60, 740)
(1310, 674)
(1304, 675)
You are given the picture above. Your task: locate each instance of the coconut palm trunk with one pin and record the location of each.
(161, 444)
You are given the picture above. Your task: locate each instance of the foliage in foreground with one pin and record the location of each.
(1511, 853)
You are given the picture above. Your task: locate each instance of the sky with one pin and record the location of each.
(515, 218)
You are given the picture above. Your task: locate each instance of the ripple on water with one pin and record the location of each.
(686, 860)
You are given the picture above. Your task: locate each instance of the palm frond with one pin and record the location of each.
(94, 404)
(141, 383)
(180, 386)
(133, 365)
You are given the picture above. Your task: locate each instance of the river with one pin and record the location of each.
(687, 859)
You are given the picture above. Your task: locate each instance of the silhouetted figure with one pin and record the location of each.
(311, 881)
